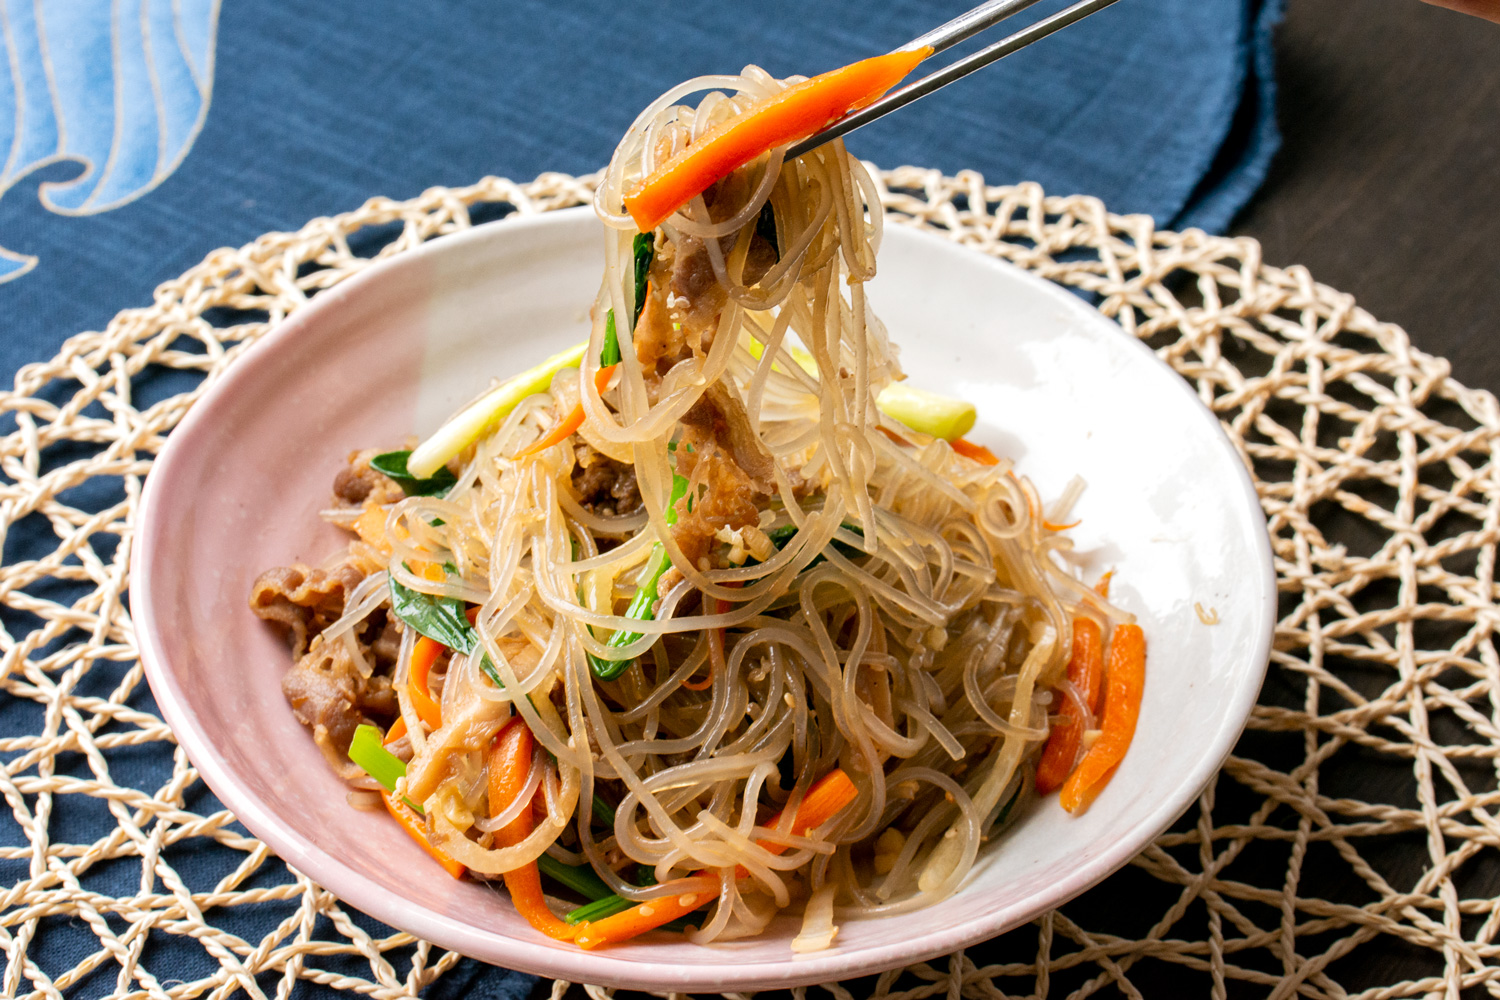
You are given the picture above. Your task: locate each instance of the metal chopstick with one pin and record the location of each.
(951, 33)
(971, 23)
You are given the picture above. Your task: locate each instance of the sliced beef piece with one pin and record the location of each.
(681, 315)
(730, 500)
(304, 599)
(330, 696)
(720, 418)
(659, 341)
(760, 259)
(357, 484)
(724, 199)
(698, 298)
(380, 638)
(604, 486)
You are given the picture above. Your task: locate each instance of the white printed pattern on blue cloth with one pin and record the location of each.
(120, 88)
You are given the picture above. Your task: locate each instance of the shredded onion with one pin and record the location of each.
(818, 928)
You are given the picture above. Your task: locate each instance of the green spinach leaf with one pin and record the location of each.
(609, 354)
(781, 535)
(644, 251)
(439, 618)
(393, 464)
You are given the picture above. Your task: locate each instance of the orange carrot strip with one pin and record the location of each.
(423, 655)
(1125, 681)
(639, 919)
(509, 764)
(978, 452)
(1050, 526)
(708, 681)
(561, 432)
(1085, 672)
(429, 570)
(371, 528)
(827, 797)
(715, 647)
(794, 113)
(571, 423)
(1102, 587)
(397, 731)
(413, 826)
(824, 800)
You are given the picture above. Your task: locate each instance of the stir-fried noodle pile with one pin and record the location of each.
(833, 588)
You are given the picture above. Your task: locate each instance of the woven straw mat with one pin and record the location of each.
(1346, 849)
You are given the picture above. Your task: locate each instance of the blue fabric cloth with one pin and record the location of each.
(1156, 106)
(159, 132)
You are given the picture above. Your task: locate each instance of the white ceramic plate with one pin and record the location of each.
(394, 350)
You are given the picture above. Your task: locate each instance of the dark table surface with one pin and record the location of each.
(1388, 185)
(1388, 188)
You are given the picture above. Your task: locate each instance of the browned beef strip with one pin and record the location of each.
(724, 199)
(699, 298)
(381, 635)
(357, 483)
(730, 500)
(327, 692)
(681, 314)
(304, 599)
(720, 418)
(605, 487)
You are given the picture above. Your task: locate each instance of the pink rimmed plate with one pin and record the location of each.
(393, 350)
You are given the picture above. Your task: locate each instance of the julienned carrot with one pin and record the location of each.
(639, 919)
(396, 731)
(370, 527)
(828, 796)
(423, 655)
(509, 764)
(716, 647)
(561, 432)
(824, 800)
(978, 452)
(1124, 683)
(413, 826)
(1085, 673)
(794, 113)
(571, 423)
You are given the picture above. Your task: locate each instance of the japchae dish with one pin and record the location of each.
(711, 617)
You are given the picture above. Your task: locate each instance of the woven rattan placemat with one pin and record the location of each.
(1347, 848)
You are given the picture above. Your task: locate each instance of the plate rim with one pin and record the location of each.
(599, 967)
